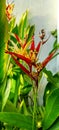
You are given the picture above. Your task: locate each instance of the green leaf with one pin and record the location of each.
(20, 27)
(6, 93)
(23, 24)
(16, 89)
(17, 119)
(54, 33)
(56, 47)
(27, 29)
(15, 29)
(9, 107)
(26, 89)
(52, 84)
(48, 75)
(51, 109)
(49, 88)
(26, 84)
(3, 40)
(55, 43)
(55, 126)
(31, 33)
(22, 108)
(12, 24)
(27, 80)
(52, 79)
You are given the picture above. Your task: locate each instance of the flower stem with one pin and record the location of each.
(35, 105)
(16, 90)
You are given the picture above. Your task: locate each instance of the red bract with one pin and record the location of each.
(44, 63)
(23, 68)
(17, 38)
(32, 44)
(20, 65)
(27, 60)
(38, 46)
(38, 66)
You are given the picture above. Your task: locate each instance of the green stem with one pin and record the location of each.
(35, 106)
(16, 90)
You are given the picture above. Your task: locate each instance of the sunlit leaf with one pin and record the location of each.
(23, 24)
(6, 93)
(22, 108)
(3, 41)
(12, 24)
(31, 33)
(51, 109)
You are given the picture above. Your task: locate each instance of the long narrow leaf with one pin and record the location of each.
(3, 39)
(6, 93)
(23, 24)
(31, 33)
(17, 120)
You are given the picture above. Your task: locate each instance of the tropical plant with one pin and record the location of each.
(20, 72)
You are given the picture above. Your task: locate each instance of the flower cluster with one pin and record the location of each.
(29, 53)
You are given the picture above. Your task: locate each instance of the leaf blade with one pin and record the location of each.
(52, 109)
(16, 119)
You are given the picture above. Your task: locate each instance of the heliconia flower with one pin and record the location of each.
(30, 57)
(38, 66)
(32, 46)
(9, 9)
